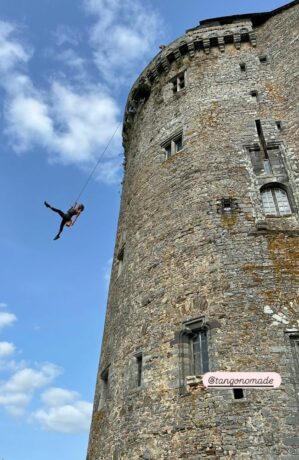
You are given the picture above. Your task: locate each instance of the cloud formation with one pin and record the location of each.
(72, 117)
(6, 349)
(71, 122)
(6, 319)
(122, 37)
(17, 392)
(65, 412)
(58, 396)
(62, 411)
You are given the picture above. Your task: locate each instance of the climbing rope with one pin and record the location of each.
(96, 165)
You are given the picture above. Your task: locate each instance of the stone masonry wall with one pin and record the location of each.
(178, 257)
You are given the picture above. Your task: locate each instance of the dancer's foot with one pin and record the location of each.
(56, 237)
(47, 204)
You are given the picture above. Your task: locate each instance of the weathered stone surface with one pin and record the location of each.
(185, 258)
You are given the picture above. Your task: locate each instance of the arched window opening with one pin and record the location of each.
(275, 201)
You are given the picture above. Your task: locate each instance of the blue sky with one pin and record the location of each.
(65, 70)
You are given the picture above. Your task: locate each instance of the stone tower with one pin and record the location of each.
(206, 263)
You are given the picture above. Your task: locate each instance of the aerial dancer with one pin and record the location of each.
(67, 217)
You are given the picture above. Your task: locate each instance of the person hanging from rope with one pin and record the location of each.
(67, 217)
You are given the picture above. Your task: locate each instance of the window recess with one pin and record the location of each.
(138, 369)
(195, 350)
(104, 388)
(263, 59)
(266, 157)
(270, 165)
(179, 82)
(275, 201)
(173, 146)
(238, 393)
(120, 260)
(199, 348)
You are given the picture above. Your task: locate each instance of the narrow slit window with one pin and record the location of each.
(278, 125)
(243, 67)
(104, 387)
(238, 393)
(120, 260)
(139, 369)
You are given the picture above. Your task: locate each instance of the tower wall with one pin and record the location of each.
(181, 256)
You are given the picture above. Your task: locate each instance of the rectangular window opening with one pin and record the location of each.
(243, 67)
(173, 146)
(227, 204)
(238, 393)
(178, 143)
(278, 125)
(263, 59)
(254, 94)
(168, 150)
(200, 352)
(179, 82)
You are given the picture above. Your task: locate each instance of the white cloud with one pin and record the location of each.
(17, 392)
(71, 119)
(12, 53)
(27, 380)
(6, 349)
(58, 396)
(65, 412)
(123, 37)
(6, 319)
(3, 305)
(72, 123)
(12, 365)
(66, 419)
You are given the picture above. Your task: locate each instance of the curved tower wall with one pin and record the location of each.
(194, 246)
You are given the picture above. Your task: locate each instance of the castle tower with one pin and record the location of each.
(206, 263)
